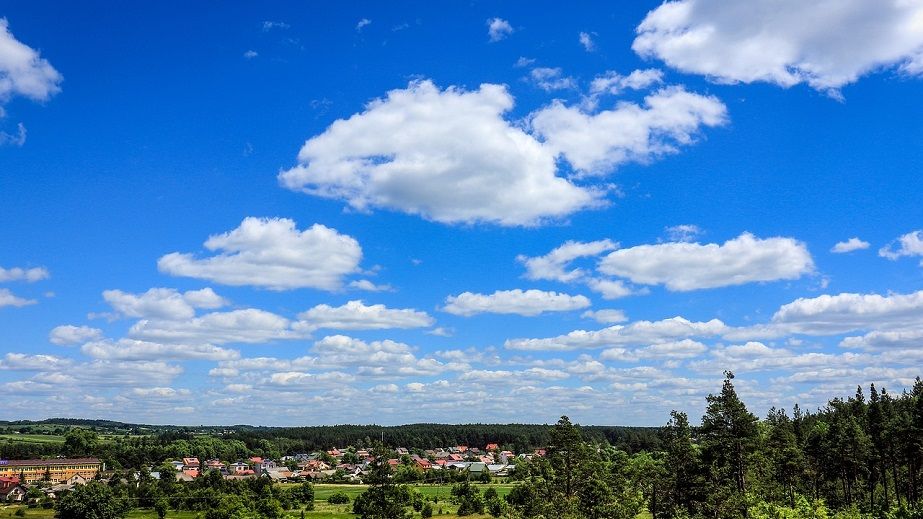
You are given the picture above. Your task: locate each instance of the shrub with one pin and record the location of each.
(338, 498)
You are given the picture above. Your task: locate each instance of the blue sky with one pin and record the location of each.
(329, 213)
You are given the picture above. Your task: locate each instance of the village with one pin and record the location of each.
(37, 480)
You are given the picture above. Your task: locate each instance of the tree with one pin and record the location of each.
(80, 442)
(728, 436)
(91, 501)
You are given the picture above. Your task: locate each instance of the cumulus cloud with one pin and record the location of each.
(786, 42)
(636, 333)
(830, 314)
(554, 265)
(691, 266)
(272, 253)
(630, 132)
(244, 326)
(498, 29)
(683, 233)
(130, 349)
(29, 275)
(447, 155)
(68, 334)
(355, 315)
(605, 316)
(612, 288)
(850, 245)
(521, 302)
(362, 23)
(910, 244)
(23, 72)
(550, 79)
(163, 303)
(8, 298)
(670, 350)
(24, 362)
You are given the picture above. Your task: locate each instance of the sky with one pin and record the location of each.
(307, 213)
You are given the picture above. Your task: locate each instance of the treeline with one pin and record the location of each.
(82, 439)
(515, 437)
(858, 457)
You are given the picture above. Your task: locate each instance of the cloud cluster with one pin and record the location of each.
(910, 244)
(272, 253)
(825, 44)
(520, 302)
(447, 155)
(452, 157)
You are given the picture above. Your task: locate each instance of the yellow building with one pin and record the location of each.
(56, 470)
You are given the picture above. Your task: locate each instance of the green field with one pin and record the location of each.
(32, 438)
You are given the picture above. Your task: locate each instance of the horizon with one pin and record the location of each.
(483, 213)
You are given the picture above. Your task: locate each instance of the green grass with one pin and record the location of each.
(32, 438)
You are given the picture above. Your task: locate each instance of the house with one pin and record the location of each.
(192, 473)
(177, 465)
(77, 479)
(13, 494)
(214, 464)
(240, 468)
(424, 464)
(492, 447)
(191, 463)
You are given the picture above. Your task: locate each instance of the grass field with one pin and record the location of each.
(32, 438)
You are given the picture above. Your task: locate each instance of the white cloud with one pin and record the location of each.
(68, 334)
(159, 392)
(362, 23)
(550, 79)
(246, 326)
(552, 266)
(910, 244)
(163, 303)
(824, 44)
(250, 54)
(130, 349)
(368, 286)
(24, 362)
(8, 298)
(613, 83)
(852, 244)
(272, 253)
(447, 155)
(355, 315)
(605, 316)
(910, 338)
(13, 139)
(29, 275)
(524, 62)
(683, 233)
(23, 72)
(385, 358)
(692, 266)
(682, 349)
(587, 41)
(636, 333)
(831, 314)
(598, 142)
(521, 302)
(498, 29)
(612, 288)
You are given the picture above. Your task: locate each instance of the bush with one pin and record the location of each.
(427, 511)
(338, 498)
